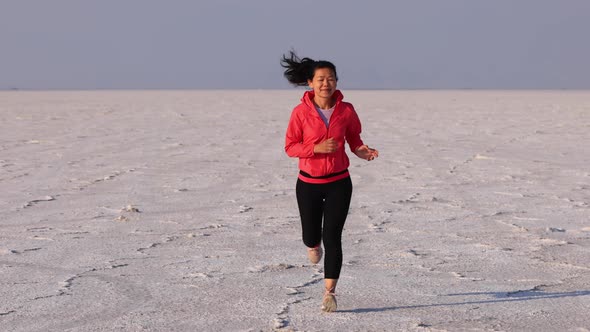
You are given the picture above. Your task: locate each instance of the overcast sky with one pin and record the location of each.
(169, 44)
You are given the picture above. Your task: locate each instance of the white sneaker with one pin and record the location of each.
(329, 303)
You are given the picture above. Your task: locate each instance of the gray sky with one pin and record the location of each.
(118, 44)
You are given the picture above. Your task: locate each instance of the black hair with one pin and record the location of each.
(298, 71)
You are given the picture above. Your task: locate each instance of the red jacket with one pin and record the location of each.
(306, 128)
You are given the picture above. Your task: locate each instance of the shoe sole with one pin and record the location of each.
(315, 259)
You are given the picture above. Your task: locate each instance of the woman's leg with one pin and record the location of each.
(311, 207)
(336, 205)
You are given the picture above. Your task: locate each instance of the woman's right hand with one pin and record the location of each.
(327, 146)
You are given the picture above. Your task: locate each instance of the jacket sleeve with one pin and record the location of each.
(294, 146)
(353, 132)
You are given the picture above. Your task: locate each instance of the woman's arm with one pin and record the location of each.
(353, 136)
(294, 146)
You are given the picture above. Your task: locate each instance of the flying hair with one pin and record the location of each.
(298, 71)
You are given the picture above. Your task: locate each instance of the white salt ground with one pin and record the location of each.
(175, 211)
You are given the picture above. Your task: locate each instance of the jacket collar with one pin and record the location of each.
(307, 98)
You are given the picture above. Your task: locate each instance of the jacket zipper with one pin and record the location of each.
(328, 136)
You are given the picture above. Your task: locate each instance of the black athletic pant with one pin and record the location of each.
(330, 202)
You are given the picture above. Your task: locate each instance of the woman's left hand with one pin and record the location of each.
(365, 152)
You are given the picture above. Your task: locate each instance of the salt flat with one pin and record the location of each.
(175, 211)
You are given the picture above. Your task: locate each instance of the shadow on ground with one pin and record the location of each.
(499, 297)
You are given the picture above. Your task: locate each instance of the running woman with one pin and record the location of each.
(318, 129)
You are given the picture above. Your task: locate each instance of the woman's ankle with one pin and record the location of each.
(330, 285)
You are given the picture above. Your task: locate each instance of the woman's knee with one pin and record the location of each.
(332, 242)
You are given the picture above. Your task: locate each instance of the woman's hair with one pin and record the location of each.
(298, 71)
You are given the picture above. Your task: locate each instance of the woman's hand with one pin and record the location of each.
(327, 146)
(365, 152)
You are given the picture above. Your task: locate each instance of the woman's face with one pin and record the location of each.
(323, 82)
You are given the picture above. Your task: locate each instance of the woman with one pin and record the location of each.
(316, 134)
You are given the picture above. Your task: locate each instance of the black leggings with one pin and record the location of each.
(330, 201)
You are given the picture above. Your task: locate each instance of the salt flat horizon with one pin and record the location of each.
(293, 89)
(157, 210)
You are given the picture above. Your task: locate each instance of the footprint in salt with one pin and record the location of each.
(412, 199)
(270, 268)
(482, 157)
(213, 226)
(351, 263)
(461, 276)
(552, 242)
(555, 230)
(40, 238)
(32, 249)
(293, 291)
(415, 253)
(245, 208)
(280, 323)
(124, 213)
(8, 251)
(200, 275)
(377, 227)
(42, 199)
(130, 208)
